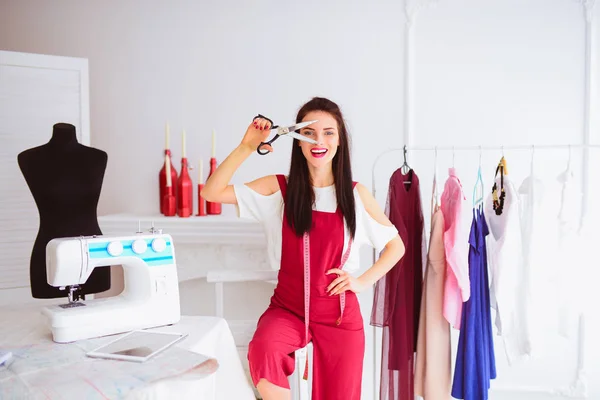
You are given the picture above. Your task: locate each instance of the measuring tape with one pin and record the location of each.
(306, 239)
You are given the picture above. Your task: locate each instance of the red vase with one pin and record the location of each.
(185, 199)
(213, 208)
(201, 205)
(162, 182)
(170, 205)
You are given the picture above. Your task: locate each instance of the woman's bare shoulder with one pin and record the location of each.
(266, 185)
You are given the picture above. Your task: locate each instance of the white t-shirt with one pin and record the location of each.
(268, 210)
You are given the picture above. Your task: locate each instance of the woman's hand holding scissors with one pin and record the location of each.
(344, 282)
(258, 131)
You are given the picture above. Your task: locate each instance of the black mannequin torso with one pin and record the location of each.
(65, 179)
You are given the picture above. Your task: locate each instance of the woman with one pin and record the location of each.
(315, 221)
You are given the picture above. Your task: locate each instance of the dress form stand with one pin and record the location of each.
(65, 179)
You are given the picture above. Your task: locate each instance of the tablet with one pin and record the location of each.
(137, 345)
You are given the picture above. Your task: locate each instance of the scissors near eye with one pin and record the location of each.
(285, 131)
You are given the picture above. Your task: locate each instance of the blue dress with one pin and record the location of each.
(475, 361)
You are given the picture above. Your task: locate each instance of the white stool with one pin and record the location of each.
(300, 388)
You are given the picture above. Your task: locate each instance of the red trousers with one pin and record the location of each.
(338, 350)
(337, 359)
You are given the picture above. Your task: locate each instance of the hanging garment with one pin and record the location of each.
(572, 250)
(538, 203)
(397, 298)
(508, 291)
(475, 359)
(456, 286)
(433, 364)
(569, 212)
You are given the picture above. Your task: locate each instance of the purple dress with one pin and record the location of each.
(475, 360)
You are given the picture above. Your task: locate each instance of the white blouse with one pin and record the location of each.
(268, 210)
(509, 286)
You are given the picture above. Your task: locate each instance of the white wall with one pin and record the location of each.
(215, 65)
(490, 73)
(502, 73)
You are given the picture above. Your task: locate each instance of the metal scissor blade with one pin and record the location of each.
(301, 137)
(301, 125)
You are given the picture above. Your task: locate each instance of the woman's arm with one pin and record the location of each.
(217, 188)
(394, 251)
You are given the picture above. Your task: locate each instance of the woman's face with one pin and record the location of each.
(325, 132)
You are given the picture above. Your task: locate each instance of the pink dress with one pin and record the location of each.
(433, 365)
(456, 287)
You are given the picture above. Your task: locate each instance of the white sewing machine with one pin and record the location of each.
(150, 296)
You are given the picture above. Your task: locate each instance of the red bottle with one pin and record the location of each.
(185, 199)
(213, 208)
(201, 207)
(170, 204)
(162, 182)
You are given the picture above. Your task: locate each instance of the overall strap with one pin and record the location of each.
(343, 263)
(282, 185)
(343, 294)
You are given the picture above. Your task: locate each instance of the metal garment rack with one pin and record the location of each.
(481, 148)
(475, 148)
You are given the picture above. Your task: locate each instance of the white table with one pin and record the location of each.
(209, 336)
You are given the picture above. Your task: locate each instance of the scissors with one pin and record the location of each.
(287, 131)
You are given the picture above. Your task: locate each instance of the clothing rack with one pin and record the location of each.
(496, 147)
(480, 148)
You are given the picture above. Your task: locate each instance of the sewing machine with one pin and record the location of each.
(150, 296)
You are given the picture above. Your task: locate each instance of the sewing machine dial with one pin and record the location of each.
(159, 245)
(139, 246)
(115, 249)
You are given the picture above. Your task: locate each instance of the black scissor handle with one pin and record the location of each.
(265, 152)
(259, 148)
(268, 119)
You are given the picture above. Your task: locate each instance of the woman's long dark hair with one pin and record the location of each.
(300, 195)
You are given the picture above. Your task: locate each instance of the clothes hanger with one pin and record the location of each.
(498, 199)
(568, 173)
(568, 169)
(503, 162)
(453, 157)
(478, 194)
(434, 190)
(405, 168)
(527, 186)
(532, 158)
(563, 178)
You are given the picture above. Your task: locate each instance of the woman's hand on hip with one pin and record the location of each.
(344, 282)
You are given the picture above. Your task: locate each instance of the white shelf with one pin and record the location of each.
(210, 229)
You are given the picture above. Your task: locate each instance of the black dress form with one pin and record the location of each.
(65, 179)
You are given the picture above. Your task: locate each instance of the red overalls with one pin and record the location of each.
(338, 349)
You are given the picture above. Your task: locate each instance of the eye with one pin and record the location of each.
(307, 132)
(330, 133)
